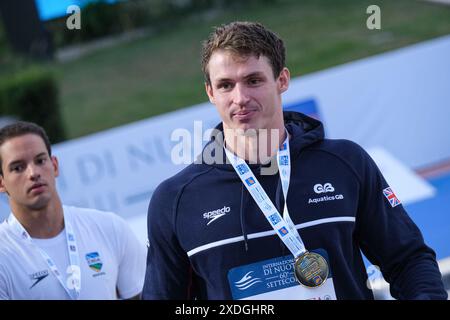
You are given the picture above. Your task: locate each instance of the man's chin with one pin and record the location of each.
(248, 129)
(39, 204)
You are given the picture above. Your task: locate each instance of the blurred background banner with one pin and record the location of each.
(399, 100)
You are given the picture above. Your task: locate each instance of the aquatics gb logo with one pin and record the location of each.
(327, 187)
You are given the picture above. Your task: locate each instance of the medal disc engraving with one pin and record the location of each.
(311, 269)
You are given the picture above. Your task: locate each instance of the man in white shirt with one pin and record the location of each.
(52, 251)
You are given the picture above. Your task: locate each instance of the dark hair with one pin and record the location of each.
(245, 39)
(21, 128)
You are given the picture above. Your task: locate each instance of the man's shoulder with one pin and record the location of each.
(3, 227)
(87, 212)
(347, 152)
(182, 178)
(8, 241)
(341, 148)
(5, 232)
(94, 219)
(337, 145)
(171, 190)
(90, 216)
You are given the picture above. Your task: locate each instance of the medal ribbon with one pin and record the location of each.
(283, 225)
(74, 280)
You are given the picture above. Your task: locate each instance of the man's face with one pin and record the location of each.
(28, 172)
(245, 92)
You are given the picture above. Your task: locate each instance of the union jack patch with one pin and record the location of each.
(392, 198)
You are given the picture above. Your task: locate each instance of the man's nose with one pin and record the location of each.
(240, 95)
(34, 172)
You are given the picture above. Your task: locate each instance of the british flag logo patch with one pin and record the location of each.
(392, 198)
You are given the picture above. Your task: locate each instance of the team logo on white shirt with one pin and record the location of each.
(94, 262)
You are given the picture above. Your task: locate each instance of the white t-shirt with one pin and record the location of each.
(110, 256)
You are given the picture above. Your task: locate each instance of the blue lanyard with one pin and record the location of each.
(283, 225)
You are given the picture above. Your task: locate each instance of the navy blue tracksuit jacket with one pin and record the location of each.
(202, 223)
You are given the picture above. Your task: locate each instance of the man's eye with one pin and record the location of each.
(254, 81)
(224, 86)
(40, 161)
(17, 168)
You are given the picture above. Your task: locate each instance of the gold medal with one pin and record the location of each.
(311, 269)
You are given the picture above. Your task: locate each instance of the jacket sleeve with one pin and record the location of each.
(168, 273)
(392, 241)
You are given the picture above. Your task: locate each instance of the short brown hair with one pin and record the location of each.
(21, 128)
(245, 39)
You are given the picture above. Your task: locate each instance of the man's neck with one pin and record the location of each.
(255, 146)
(43, 223)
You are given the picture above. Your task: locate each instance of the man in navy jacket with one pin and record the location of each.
(213, 237)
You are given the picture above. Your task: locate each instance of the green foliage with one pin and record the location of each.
(99, 18)
(32, 95)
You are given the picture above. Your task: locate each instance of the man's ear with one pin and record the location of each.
(2, 185)
(209, 92)
(283, 80)
(55, 165)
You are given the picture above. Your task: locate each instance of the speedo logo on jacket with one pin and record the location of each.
(216, 214)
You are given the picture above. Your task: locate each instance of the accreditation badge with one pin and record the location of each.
(275, 279)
